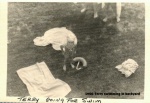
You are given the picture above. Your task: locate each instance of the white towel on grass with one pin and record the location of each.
(56, 37)
(41, 83)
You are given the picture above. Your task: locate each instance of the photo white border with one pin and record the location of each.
(3, 51)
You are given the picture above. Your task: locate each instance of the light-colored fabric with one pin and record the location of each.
(41, 83)
(127, 67)
(56, 37)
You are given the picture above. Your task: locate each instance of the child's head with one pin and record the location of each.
(70, 43)
(69, 49)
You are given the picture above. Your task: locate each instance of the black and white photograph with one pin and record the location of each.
(76, 50)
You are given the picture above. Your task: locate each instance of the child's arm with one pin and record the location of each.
(62, 49)
(75, 49)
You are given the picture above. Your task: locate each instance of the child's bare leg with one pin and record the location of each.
(103, 5)
(95, 6)
(118, 11)
(72, 56)
(71, 62)
(84, 6)
(67, 62)
(64, 67)
(107, 5)
(65, 58)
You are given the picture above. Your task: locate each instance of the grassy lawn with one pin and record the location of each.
(103, 45)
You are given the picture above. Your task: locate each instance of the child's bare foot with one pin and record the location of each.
(105, 19)
(83, 10)
(64, 68)
(95, 15)
(72, 66)
(118, 19)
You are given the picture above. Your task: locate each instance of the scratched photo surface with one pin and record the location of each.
(104, 45)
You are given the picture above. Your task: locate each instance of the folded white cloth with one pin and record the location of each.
(56, 37)
(127, 67)
(41, 83)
